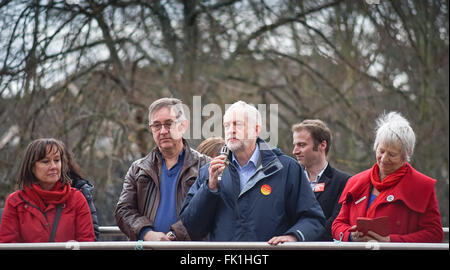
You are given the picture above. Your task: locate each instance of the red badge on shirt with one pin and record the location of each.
(266, 190)
(319, 187)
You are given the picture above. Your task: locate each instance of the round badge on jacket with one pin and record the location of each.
(266, 190)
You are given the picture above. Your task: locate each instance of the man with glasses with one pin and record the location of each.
(155, 185)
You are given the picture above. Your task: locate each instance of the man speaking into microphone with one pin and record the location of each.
(262, 195)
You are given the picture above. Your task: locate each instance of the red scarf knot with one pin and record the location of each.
(42, 198)
(384, 186)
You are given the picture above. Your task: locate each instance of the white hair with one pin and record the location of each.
(252, 113)
(393, 128)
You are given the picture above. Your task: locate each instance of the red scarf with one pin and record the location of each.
(383, 186)
(43, 198)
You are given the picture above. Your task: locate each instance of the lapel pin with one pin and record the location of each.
(360, 200)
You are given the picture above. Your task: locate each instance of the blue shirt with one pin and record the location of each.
(371, 199)
(247, 171)
(167, 211)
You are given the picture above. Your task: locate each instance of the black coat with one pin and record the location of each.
(86, 188)
(328, 199)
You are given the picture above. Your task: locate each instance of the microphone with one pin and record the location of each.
(224, 151)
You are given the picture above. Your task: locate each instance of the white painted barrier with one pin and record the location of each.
(114, 231)
(202, 245)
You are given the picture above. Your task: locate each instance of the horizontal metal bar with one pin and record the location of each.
(204, 245)
(110, 230)
(115, 231)
(150, 245)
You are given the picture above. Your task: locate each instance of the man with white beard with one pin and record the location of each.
(263, 194)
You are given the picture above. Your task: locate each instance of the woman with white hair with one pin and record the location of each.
(392, 188)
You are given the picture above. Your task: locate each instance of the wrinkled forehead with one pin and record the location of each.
(235, 114)
(392, 144)
(241, 114)
(165, 113)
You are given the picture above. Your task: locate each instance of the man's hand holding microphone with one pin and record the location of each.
(216, 168)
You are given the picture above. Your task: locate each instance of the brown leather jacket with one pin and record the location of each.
(139, 200)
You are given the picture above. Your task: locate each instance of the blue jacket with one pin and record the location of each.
(277, 200)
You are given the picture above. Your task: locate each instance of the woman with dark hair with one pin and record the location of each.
(211, 146)
(84, 186)
(45, 208)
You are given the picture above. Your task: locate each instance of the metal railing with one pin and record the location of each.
(111, 231)
(188, 245)
(114, 232)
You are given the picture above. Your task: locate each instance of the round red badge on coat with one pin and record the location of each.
(266, 189)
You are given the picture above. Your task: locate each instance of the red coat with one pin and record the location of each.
(23, 223)
(411, 206)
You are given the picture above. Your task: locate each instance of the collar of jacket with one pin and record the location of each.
(328, 173)
(152, 163)
(267, 154)
(20, 197)
(269, 164)
(414, 189)
(326, 176)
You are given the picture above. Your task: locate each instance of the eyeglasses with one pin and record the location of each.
(157, 126)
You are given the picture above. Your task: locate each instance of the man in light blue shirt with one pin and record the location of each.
(249, 169)
(262, 194)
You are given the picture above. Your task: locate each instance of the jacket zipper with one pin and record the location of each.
(34, 206)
